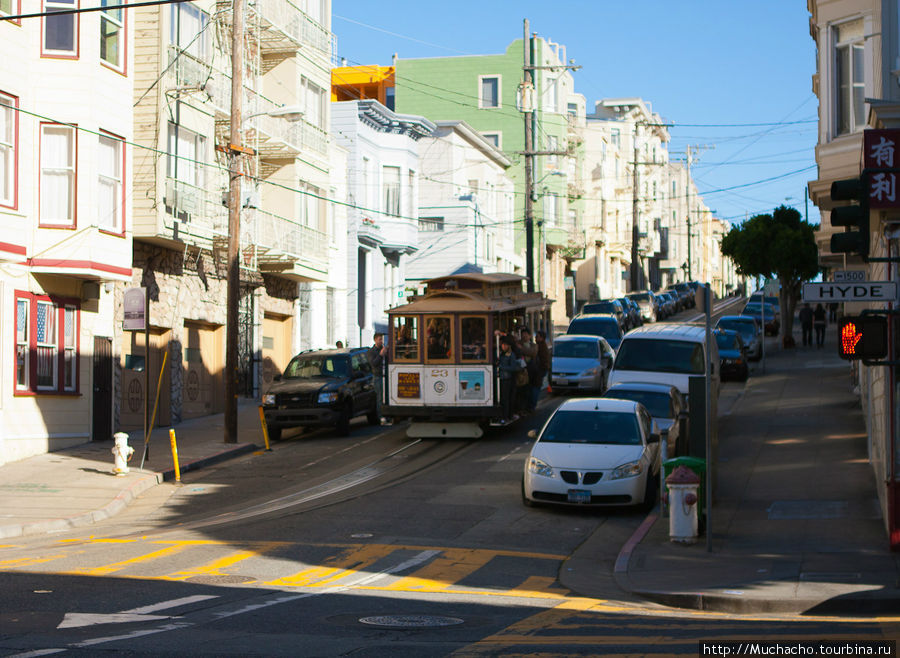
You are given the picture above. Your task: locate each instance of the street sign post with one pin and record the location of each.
(862, 291)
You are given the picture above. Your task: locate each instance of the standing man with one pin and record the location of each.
(375, 356)
(819, 320)
(806, 324)
(541, 366)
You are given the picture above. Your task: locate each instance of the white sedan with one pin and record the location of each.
(594, 451)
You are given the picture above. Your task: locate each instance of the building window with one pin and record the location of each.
(850, 81)
(431, 223)
(391, 186)
(553, 147)
(551, 209)
(187, 30)
(493, 138)
(410, 194)
(9, 138)
(186, 153)
(60, 31)
(57, 175)
(489, 92)
(314, 104)
(110, 183)
(112, 35)
(46, 344)
(10, 7)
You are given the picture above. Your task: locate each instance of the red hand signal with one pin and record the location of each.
(849, 338)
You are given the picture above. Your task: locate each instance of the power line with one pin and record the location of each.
(84, 10)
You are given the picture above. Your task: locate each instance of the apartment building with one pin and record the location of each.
(288, 229)
(65, 214)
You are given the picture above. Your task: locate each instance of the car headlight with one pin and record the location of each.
(590, 372)
(269, 398)
(629, 470)
(325, 398)
(535, 465)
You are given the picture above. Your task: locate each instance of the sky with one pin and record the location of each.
(733, 79)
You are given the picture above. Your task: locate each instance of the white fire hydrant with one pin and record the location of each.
(683, 484)
(122, 452)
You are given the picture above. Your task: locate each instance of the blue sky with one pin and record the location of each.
(713, 68)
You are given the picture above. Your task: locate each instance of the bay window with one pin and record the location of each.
(8, 145)
(57, 175)
(47, 344)
(110, 183)
(112, 35)
(60, 36)
(850, 81)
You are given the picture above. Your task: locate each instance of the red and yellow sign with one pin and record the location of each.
(408, 385)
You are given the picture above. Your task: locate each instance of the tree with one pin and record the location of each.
(780, 245)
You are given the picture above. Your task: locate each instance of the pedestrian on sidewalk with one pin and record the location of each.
(375, 356)
(509, 367)
(806, 324)
(819, 323)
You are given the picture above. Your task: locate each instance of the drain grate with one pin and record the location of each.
(410, 621)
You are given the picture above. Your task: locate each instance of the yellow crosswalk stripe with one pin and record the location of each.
(174, 548)
(215, 567)
(349, 561)
(445, 570)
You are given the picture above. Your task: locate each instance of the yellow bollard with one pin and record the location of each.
(265, 429)
(175, 455)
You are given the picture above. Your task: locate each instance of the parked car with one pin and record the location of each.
(748, 328)
(767, 313)
(670, 304)
(321, 388)
(732, 355)
(665, 404)
(666, 353)
(648, 304)
(633, 311)
(687, 292)
(580, 363)
(611, 307)
(594, 451)
(598, 324)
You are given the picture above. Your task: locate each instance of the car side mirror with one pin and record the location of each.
(532, 434)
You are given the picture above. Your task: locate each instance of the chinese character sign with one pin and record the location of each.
(880, 147)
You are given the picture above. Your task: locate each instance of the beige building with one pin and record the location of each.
(182, 110)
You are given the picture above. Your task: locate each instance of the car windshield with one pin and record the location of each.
(600, 307)
(578, 349)
(747, 330)
(600, 427)
(305, 367)
(753, 309)
(658, 404)
(609, 329)
(643, 297)
(726, 342)
(659, 355)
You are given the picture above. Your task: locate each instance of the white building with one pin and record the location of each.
(466, 204)
(65, 214)
(382, 220)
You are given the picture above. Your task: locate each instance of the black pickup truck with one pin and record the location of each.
(325, 388)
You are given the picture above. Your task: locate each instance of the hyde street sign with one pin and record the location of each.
(861, 291)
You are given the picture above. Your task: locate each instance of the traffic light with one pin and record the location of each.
(862, 337)
(855, 215)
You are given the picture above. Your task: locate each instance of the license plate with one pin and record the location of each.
(579, 496)
(562, 382)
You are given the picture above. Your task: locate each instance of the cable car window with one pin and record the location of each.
(439, 339)
(406, 338)
(473, 331)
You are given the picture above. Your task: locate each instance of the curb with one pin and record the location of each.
(122, 500)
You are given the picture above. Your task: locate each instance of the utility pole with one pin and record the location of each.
(690, 155)
(235, 172)
(635, 217)
(528, 112)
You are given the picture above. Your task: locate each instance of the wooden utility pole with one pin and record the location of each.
(235, 172)
(635, 217)
(528, 98)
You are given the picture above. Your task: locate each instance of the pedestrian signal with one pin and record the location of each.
(862, 337)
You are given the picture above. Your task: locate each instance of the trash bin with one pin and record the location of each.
(699, 467)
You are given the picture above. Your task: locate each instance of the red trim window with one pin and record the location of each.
(58, 156)
(9, 150)
(47, 344)
(60, 33)
(112, 36)
(9, 8)
(110, 170)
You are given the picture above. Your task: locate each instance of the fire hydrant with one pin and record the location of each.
(683, 484)
(122, 453)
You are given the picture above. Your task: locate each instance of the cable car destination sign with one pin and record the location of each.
(858, 291)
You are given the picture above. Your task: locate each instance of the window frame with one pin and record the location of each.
(199, 49)
(481, 80)
(485, 343)
(850, 46)
(122, 37)
(76, 40)
(13, 201)
(73, 223)
(398, 321)
(492, 137)
(390, 205)
(438, 224)
(66, 353)
(15, 7)
(119, 229)
(451, 342)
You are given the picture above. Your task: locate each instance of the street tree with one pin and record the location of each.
(780, 245)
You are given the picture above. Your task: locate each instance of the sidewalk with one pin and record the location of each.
(796, 521)
(61, 490)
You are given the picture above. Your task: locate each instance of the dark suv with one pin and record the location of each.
(322, 388)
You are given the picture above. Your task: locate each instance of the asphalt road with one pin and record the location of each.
(368, 545)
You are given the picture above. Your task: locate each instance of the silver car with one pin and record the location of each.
(580, 364)
(665, 404)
